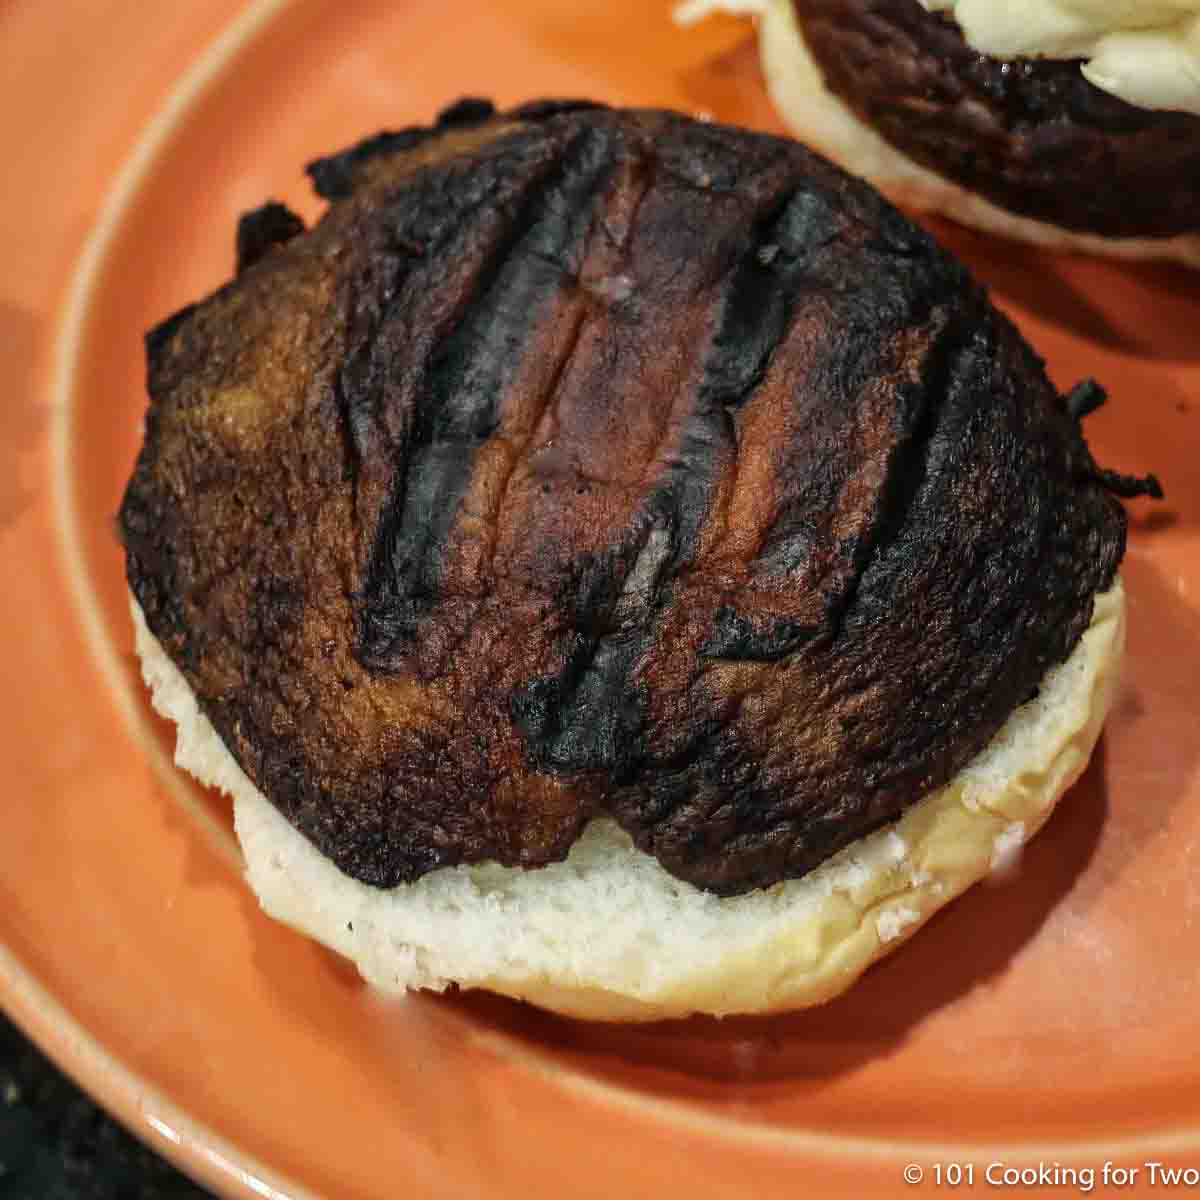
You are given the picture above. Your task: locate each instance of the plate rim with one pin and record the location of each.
(192, 1146)
(181, 1138)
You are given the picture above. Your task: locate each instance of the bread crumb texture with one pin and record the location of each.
(608, 934)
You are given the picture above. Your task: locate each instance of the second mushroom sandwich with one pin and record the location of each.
(1068, 123)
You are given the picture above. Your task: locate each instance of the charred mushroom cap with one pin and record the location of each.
(1032, 136)
(585, 461)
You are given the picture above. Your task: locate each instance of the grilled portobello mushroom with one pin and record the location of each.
(589, 461)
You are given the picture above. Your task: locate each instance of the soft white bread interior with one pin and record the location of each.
(608, 934)
(820, 119)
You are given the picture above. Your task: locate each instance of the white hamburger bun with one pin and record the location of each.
(609, 934)
(823, 121)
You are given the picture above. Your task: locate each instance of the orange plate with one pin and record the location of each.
(1051, 1022)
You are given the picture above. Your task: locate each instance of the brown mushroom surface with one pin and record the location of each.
(583, 460)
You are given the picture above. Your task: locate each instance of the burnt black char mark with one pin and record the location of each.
(764, 290)
(1128, 487)
(741, 636)
(919, 407)
(465, 114)
(590, 716)
(262, 230)
(337, 176)
(158, 339)
(470, 371)
(540, 110)
(1085, 398)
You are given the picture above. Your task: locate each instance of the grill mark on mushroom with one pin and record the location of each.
(465, 381)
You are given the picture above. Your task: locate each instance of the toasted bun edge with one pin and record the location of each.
(608, 934)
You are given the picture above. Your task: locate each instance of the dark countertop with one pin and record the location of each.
(55, 1144)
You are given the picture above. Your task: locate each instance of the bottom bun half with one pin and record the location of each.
(608, 934)
(819, 118)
